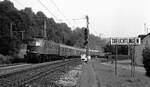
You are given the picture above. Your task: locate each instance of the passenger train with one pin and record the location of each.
(41, 50)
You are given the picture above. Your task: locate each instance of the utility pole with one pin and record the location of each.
(45, 26)
(11, 33)
(145, 28)
(116, 58)
(22, 33)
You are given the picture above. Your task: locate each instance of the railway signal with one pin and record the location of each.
(86, 36)
(86, 33)
(86, 42)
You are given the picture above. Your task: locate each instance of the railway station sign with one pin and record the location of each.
(126, 41)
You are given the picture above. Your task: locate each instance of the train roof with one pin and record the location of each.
(43, 40)
(63, 45)
(94, 50)
(70, 47)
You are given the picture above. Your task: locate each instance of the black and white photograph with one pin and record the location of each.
(74, 43)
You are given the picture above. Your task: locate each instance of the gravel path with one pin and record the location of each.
(70, 79)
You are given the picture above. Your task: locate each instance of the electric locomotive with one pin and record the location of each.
(41, 50)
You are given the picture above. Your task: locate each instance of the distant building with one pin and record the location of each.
(145, 41)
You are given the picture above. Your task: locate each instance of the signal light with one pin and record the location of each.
(85, 33)
(86, 42)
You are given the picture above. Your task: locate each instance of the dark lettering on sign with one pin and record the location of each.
(131, 41)
(114, 40)
(125, 41)
(122, 41)
(137, 40)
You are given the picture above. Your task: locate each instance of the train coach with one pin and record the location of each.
(93, 53)
(69, 51)
(41, 50)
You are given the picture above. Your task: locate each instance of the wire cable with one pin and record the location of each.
(59, 11)
(57, 8)
(19, 3)
(47, 9)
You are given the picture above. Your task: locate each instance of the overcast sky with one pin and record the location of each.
(110, 18)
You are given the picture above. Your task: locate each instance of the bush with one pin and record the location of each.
(5, 59)
(146, 60)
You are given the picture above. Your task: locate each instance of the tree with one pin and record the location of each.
(33, 25)
(19, 20)
(146, 60)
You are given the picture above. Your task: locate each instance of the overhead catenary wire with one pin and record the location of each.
(61, 13)
(47, 9)
(78, 19)
(41, 4)
(57, 8)
(52, 13)
(19, 3)
(91, 26)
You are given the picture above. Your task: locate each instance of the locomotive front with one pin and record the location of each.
(34, 45)
(33, 49)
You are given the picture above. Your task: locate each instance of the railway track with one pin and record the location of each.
(21, 78)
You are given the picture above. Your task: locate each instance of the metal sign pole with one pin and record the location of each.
(130, 56)
(129, 51)
(116, 59)
(133, 60)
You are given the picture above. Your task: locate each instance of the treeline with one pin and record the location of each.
(26, 24)
(121, 49)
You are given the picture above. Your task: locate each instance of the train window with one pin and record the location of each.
(146, 42)
(49, 45)
(46, 44)
(65, 50)
(54, 46)
(38, 43)
(31, 42)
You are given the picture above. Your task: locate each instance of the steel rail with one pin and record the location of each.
(6, 80)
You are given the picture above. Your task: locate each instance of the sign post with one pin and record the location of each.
(133, 61)
(131, 42)
(116, 59)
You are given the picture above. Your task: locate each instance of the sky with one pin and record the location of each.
(107, 18)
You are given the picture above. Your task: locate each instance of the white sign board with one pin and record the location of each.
(125, 41)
